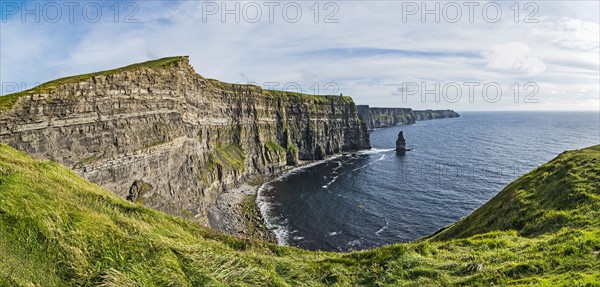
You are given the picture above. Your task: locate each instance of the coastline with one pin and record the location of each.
(241, 212)
(280, 232)
(235, 213)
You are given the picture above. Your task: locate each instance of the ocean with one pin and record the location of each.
(375, 197)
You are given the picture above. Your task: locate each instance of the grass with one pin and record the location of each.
(57, 229)
(564, 192)
(306, 98)
(8, 101)
(275, 151)
(232, 157)
(274, 147)
(255, 225)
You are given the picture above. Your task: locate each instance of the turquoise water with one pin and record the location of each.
(375, 197)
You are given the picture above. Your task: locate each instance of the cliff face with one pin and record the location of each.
(435, 114)
(167, 137)
(386, 117)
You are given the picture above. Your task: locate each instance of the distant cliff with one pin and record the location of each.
(160, 134)
(385, 117)
(434, 114)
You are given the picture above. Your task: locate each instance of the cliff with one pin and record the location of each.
(386, 117)
(160, 134)
(57, 229)
(422, 115)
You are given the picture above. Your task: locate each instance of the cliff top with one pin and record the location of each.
(7, 101)
(57, 229)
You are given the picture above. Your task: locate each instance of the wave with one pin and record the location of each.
(305, 166)
(332, 181)
(368, 164)
(387, 224)
(337, 167)
(334, 233)
(276, 224)
(375, 150)
(354, 243)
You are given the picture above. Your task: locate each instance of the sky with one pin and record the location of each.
(532, 55)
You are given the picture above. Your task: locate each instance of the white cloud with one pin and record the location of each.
(514, 56)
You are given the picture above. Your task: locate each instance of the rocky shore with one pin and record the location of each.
(235, 212)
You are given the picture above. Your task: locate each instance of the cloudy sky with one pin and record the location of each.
(539, 55)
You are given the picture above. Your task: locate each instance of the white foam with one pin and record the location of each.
(274, 223)
(332, 181)
(375, 150)
(368, 164)
(339, 166)
(387, 224)
(354, 242)
(303, 167)
(334, 233)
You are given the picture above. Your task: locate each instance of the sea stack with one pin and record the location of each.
(400, 143)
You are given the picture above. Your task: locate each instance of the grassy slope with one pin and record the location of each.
(564, 192)
(56, 229)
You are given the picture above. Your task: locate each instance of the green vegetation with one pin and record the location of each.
(313, 99)
(563, 192)
(255, 225)
(7, 101)
(232, 157)
(274, 147)
(208, 168)
(292, 156)
(383, 116)
(292, 149)
(87, 160)
(153, 144)
(57, 229)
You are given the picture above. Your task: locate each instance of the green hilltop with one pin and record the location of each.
(57, 229)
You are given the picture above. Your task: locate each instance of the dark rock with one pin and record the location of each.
(401, 143)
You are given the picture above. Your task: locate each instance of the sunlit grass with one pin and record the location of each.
(56, 229)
